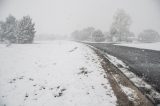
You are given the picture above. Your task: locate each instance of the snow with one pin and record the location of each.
(57, 73)
(139, 82)
(130, 93)
(151, 46)
(125, 69)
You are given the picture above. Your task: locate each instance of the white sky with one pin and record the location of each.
(64, 16)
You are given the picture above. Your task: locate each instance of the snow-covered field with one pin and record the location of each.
(151, 46)
(58, 73)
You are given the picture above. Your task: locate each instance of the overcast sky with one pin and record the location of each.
(64, 16)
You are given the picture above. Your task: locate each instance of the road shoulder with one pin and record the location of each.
(127, 93)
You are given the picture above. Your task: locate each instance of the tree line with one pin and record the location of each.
(88, 34)
(119, 32)
(17, 31)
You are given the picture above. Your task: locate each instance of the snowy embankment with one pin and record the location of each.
(151, 46)
(59, 73)
(139, 82)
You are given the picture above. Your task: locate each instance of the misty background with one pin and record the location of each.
(62, 17)
(126, 34)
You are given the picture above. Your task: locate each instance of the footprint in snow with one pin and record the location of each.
(73, 49)
(60, 91)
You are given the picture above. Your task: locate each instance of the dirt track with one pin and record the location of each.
(116, 78)
(144, 63)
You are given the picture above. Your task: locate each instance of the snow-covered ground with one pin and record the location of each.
(151, 46)
(139, 82)
(58, 73)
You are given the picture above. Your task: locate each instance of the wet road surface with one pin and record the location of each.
(145, 63)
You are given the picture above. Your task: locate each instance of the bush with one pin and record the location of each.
(149, 35)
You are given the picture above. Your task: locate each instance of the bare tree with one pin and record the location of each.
(98, 36)
(84, 34)
(120, 27)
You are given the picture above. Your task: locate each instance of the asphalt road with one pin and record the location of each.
(145, 63)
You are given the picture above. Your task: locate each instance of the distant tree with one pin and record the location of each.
(76, 35)
(1, 31)
(45, 37)
(25, 30)
(8, 29)
(120, 27)
(108, 37)
(98, 36)
(149, 35)
(83, 35)
(87, 33)
(131, 37)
